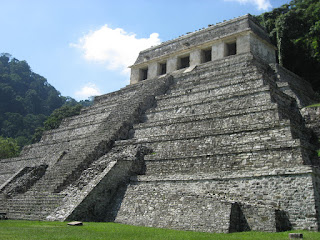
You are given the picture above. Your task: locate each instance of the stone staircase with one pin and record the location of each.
(210, 119)
(79, 143)
(32, 205)
(224, 116)
(214, 149)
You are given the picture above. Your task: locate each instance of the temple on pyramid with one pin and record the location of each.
(211, 135)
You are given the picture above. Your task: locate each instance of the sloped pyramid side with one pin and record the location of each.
(225, 149)
(71, 148)
(224, 136)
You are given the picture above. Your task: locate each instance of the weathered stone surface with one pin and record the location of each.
(220, 146)
(295, 235)
(75, 223)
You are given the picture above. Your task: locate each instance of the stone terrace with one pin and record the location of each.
(228, 136)
(209, 136)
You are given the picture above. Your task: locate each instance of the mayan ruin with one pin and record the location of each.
(210, 135)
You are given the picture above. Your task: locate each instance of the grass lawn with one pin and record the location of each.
(30, 230)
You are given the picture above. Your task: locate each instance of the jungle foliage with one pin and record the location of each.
(294, 29)
(26, 102)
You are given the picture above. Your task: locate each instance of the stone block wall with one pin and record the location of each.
(233, 137)
(291, 192)
(216, 146)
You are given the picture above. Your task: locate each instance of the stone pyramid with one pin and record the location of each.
(208, 136)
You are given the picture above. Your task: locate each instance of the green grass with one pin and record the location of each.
(30, 230)
(314, 105)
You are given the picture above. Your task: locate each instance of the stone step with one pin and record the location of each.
(99, 109)
(213, 70)
(229, 122)
(203, 94)
(64, 168)
(242, 100)
(68, 133)
(35, 204)
(111, 96)
(207, 97)
(212, 146)
(211, 81)
(267, 108)
(275, 131)
(85, 118)
(207, 163)
(199, 80)
(239, 60)
(38, 149)
(71, 132)
(26, 216)
(247, 130)
(105, 104)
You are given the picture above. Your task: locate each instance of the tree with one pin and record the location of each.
(295, 29)
(8, 148)
(26, 100)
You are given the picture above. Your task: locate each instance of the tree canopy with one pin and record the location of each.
(8, 147)
(26, 101)
(295, 29)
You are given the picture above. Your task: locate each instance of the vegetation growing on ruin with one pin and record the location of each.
(8, 148)
(30, 230)
(294, 29)
(54, 120)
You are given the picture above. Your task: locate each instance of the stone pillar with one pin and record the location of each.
(152, 70)
(172, 64)
(135, 75)
(243, 44)
(195, 57)
(217, 51)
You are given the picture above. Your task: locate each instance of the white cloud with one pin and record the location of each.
(261, 4)
(89, 90)
(115, 48)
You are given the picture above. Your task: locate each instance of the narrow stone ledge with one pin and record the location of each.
(227, 175)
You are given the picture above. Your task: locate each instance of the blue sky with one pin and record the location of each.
(83, 47)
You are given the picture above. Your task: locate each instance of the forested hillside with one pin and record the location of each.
(295, 29)
(26, 102)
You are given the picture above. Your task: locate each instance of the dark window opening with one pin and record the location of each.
(143, 74)
(162, 68)
(206, 55)
(184, 62)
(231, 49)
